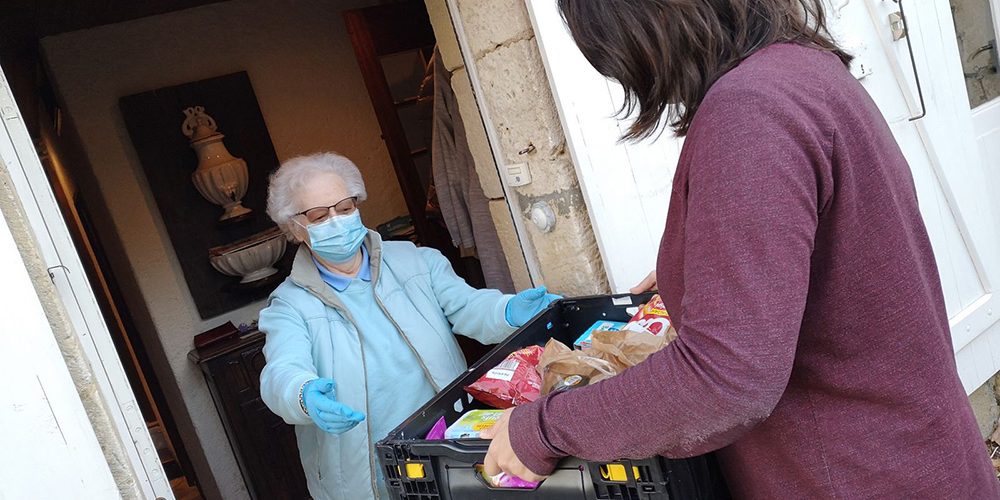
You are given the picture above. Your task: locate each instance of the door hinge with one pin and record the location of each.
(898, 26)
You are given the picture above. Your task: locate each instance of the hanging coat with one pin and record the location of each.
(463, 204)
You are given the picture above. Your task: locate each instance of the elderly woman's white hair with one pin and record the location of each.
(284, 184)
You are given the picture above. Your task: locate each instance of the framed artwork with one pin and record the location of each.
(156, 125)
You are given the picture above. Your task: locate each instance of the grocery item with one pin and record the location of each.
(559, 362)
(571, 382)
(608, 326)
(474, 422)
(437, 432)
(626, 349)
(504, 480)
(513, 382)
(652, 318)
(609, 354)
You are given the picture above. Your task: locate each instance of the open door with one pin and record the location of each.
(67, 272)
(919, 83)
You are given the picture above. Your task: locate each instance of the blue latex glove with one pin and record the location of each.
(525, 305)
(320, 398)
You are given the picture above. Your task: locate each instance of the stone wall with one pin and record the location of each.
(523, 114)
(479, 145)
(986, 405)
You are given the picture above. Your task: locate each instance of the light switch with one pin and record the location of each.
(518, 174)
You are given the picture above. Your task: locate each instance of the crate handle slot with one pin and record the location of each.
(478, 471)
(625, 300)
(467, 451)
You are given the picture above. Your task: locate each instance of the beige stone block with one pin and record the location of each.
(475, 132)
(511, 244)
(986, 408)
(568, 256)
(551, 175)
(444, 32)
(517, 91)
(492, 23)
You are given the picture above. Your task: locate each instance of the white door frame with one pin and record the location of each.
(50, 449)
(60, 256)
(627, 205)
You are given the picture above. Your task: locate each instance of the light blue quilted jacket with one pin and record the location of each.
(311, 334)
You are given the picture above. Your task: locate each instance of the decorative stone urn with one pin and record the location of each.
(251, 258)
(220, 178)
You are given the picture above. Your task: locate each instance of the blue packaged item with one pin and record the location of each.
(608, 326)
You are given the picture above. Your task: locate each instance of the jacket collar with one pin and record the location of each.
(306, 275)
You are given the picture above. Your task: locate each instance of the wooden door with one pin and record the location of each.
(953, 175)
(628, 203)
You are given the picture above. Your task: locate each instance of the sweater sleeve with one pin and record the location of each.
(750, 224)
(474, 313)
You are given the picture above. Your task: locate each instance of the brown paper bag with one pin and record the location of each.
(626, 349)
(559, 361)
(610, 353)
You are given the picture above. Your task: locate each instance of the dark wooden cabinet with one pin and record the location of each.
(264, 444)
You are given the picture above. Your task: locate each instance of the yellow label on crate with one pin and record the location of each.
(415, 471)
(617, 473)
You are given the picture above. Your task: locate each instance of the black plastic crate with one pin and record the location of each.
(418, 469)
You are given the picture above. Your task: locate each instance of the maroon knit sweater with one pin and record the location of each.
(814, 348)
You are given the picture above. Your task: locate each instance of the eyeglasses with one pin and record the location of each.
(320, 214)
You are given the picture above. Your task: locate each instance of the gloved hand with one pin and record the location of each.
(525, 305)
(320, 399)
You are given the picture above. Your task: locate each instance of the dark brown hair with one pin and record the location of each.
(668, 53)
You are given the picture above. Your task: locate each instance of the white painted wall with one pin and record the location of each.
(49, 447)
(310, 92)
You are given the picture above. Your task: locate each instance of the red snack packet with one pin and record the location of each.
(652, 318)
(514, 382)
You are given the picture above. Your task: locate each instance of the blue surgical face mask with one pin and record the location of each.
(339, 238)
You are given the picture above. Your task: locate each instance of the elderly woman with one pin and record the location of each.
(361, 334)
